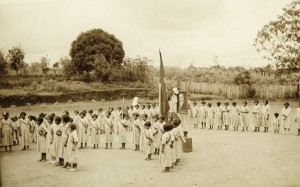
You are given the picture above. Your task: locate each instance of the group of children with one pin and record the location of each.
(235, 116)
(61, 137)
(54, 135)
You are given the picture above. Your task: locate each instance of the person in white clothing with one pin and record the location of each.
(285, 117)
(218, 116)
(194, 114)
(256, 111)
(245, 116)
(265, 114)
(210, 114)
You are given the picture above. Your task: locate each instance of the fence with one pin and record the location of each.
(242, 91)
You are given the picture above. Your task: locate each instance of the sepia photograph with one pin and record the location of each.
(163, 93)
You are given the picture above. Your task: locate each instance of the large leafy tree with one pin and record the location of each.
(15, 58)
(3, 64)
(89, 45)
(279, 40)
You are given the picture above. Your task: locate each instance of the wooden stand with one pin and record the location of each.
(188, 145)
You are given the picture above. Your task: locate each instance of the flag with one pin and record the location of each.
(163, 99)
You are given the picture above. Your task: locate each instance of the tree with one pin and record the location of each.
(15, 58)
(68, 67)
(89, 45)
(242, 78)
(279, 40)
(44, 65)
(3, 65)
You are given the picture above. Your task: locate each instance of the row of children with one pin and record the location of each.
(151, 135)
(53, 134)
(236, 117)
(58, 139)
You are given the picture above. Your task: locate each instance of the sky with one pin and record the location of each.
(187, 32)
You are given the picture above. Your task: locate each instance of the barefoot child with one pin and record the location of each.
(73, 148)
(108, 129)
(276, 123)
(234, 116)
(41, 139)
(165, 157)
(122, 130)
(25, 131)
(210, 113)
(244, 116)
(142, 128)
(136, 131)
(148, 137)
(95, 131)
(56, 139)
(66, 121)
(156, 135)
(180, 139)
(6, 126)
(218, 116)
(82, 124)
(225, 115)
(285, 115)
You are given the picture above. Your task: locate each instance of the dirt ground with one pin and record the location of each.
(219, 158)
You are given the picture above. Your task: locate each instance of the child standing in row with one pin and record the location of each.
(25, 131)
(108, 129)
(41, 140)
(122, 130)
(95, 131)
(210, 116)
(276, 123)
(6, 131)
(148, 138)
(165, 156)
(136, 124)
(245, 114)
(73, 148)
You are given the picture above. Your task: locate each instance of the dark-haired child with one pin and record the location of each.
(108, 129)
(41, 139)
(202, 114)
(276, 123)
(179, 136)
(165, 156)
(66, 121)
(73, 148)
(218, 116)
(58, 128)
(225, 115)
(95, 131)
(144, 119)
(49, 138)
(148, 137)
(210, 114)
(56, 138)
(33, 126)
(25, 131)
(155, 128)
(82, 124)
(122, 130)
(6, 131)
(136, 124)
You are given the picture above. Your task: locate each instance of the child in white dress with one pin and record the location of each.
(165, 156)
(95, 131)
(276, 123)
(148, 138)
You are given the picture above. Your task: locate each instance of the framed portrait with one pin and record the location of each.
(182, 102)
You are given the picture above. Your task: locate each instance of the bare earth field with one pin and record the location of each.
(219, 158)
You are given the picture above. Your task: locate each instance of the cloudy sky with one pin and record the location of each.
(191, 31)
